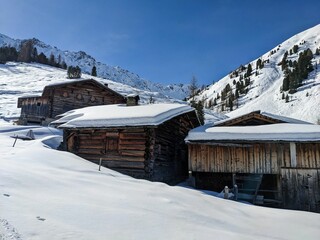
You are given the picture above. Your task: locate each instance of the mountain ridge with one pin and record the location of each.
(86, 62)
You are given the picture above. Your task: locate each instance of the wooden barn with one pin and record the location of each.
(143, 141)
(62, 97)
(272, 160)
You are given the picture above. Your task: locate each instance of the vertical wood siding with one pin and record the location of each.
(266, 158)
(300, 177)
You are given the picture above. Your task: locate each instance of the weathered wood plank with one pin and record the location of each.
(267, 158)
(301, 189)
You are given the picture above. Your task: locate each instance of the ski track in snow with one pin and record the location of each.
(8, 232)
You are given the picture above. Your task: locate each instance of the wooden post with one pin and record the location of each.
(233, 179)
(191, 180)
(15, 141)
(235, 187)
(226, 192)
(100, 164)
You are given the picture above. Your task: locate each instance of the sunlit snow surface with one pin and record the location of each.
(50, 194)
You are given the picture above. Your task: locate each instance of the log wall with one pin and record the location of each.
(71, 97)
(301, 189)
(170, 151)
(33, 109)
(154, 153)
(120, 149)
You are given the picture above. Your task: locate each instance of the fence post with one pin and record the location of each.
(226, 192)
(235, 187)
(100, 163)
(15, 141)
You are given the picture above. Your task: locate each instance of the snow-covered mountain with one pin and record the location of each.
(86, 62)
(263, 89)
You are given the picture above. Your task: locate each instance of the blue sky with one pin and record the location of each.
(165, 41)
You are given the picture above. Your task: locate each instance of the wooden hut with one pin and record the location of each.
(273, 160)
(143, 141)
(62, 97)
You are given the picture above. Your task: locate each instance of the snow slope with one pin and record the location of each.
(117, 74)
(25, 79)
(50, 194)
(264, 90)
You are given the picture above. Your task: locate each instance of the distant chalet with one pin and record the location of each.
(62, 97)
(274, 160)
(143, 141)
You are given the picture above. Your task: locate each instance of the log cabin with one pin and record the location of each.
(143, 141)
(62, 97)
(268, 159)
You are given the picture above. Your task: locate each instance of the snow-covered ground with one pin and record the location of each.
(50, 194)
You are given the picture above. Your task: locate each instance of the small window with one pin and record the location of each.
(79, 97)
(38, 104)
(112, 144)
(92, 99)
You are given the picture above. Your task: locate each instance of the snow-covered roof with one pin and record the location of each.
(79, 81)
(212, 116)
(264, 114)
(121, 115)
(271, 132)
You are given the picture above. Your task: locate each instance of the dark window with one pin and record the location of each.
(112, 144)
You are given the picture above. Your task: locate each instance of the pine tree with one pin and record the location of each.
(74, 72)
(8, 54)
(247, 82)
(249, 70)
(64, 65)
(199, 109)
(42, 58)
(25, 51)
(237, 94)
(34, 55)
(94, 71)
(58, 64)
(230, 104)
(287, 80)
(258, 64)
(52, 60)
(284, 61)
(215, 102)
(193, 87)
(227, 88)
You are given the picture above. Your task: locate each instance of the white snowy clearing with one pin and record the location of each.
(50, 194)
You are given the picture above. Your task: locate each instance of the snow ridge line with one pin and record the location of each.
(7, 231)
